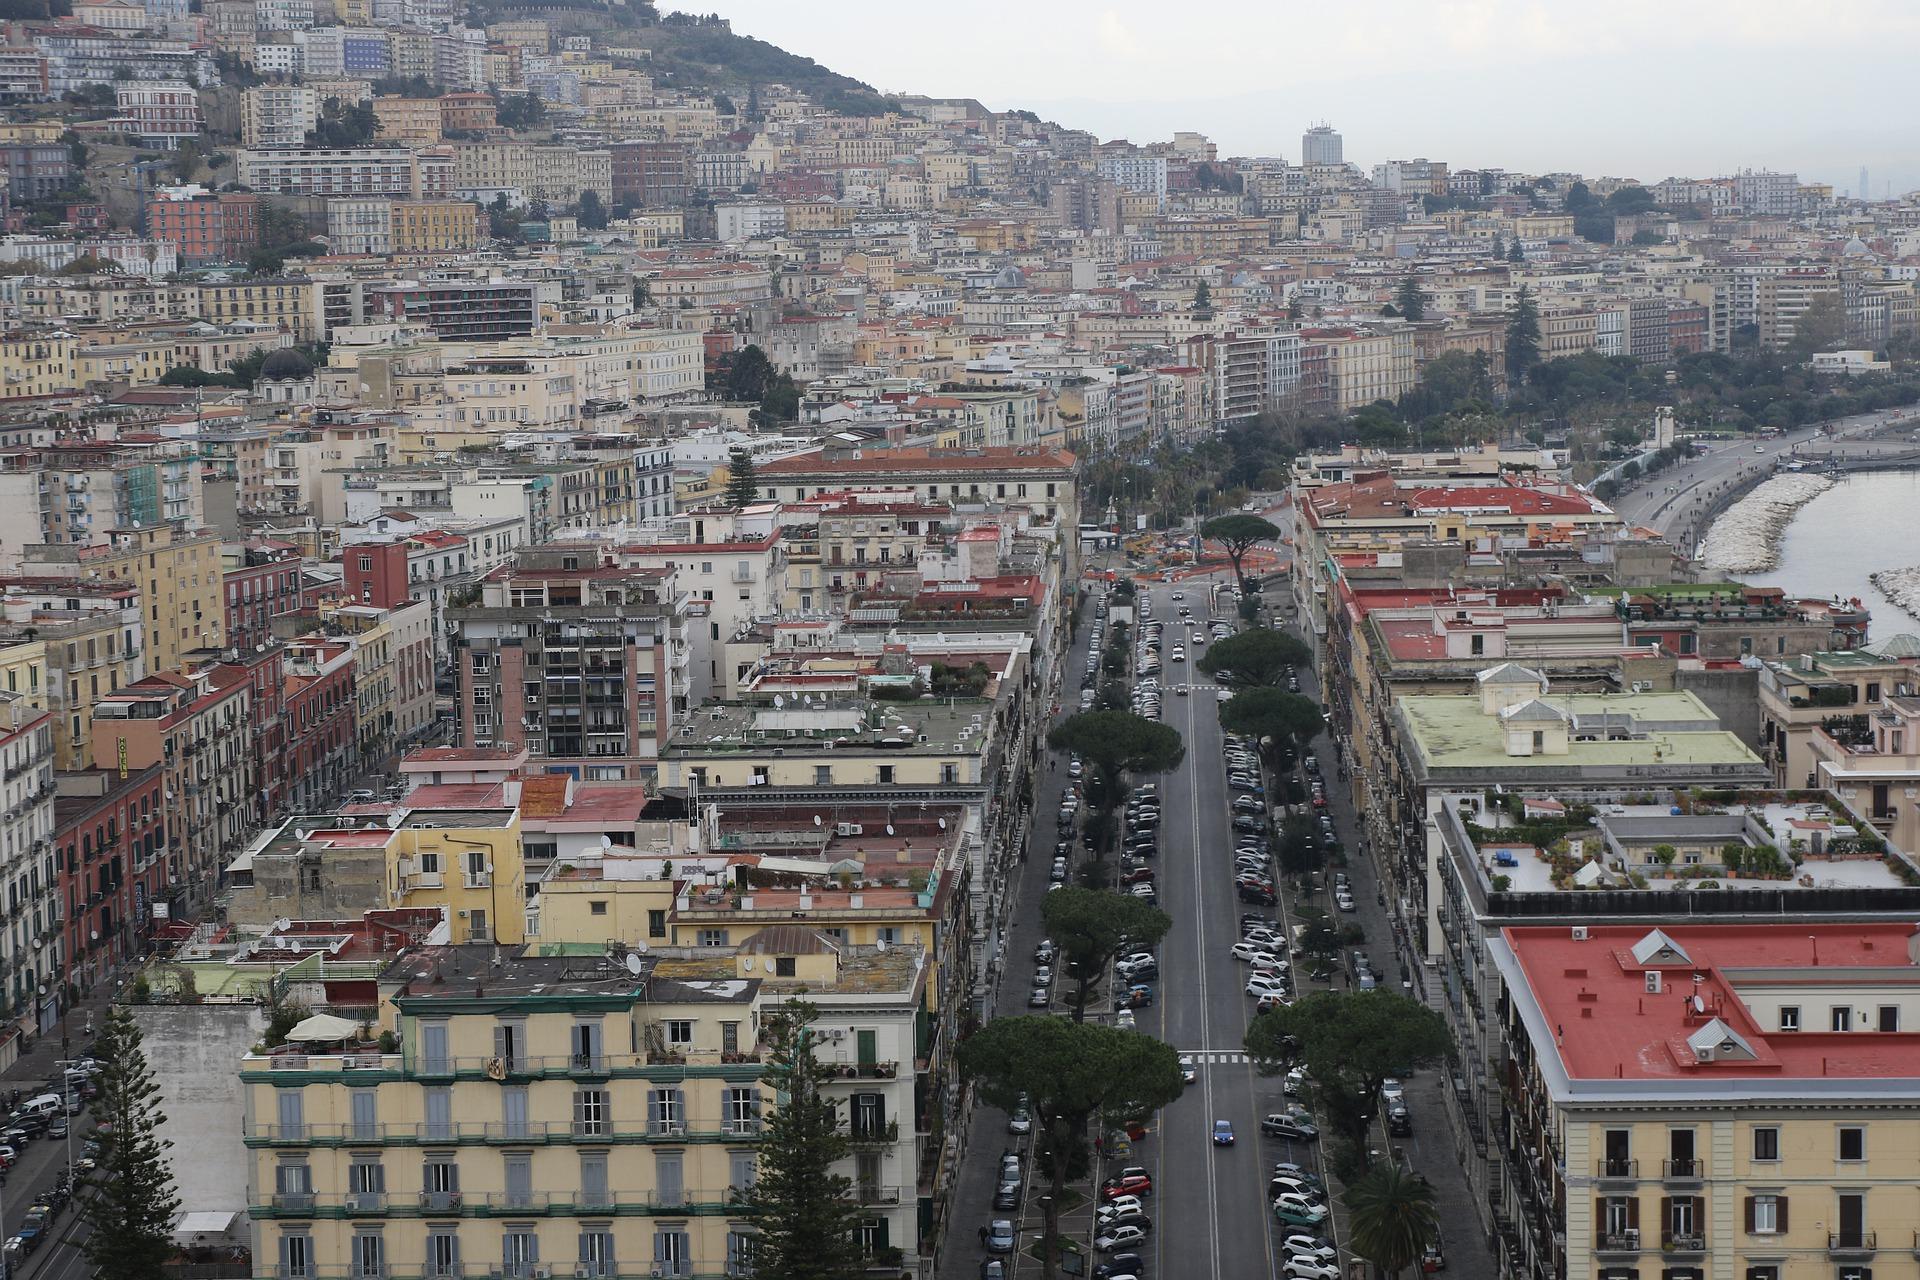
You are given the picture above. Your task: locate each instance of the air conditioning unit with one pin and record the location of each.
(676, 1130)
(582, 1272)
(1643, 686)
(1579, 933)
(1653, 982)
(542, 1273)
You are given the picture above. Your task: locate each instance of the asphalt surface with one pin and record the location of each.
(1674, 499)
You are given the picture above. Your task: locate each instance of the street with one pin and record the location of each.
(1211, 1208)
(1672, 500)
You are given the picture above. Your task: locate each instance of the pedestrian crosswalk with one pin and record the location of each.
(1215, 1057)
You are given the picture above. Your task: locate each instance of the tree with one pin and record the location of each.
(1283, 720)
(344, 125)
(131, 1201)
(1112, 744)
(1393, 1217)
(742, 489)
(591, 212)
(1239, 533)
(1202, 300)
(1258, 657)
(804, 1212)
(1499, 247)
(519, 111)
(1822, 326)
(1090, 927)
(1410, 300)
(1516, 253)
(1300, 851)
(1070, 1073)
(1350, 1041)
(1523, 336)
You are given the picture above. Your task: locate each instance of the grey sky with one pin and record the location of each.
(1636, 88)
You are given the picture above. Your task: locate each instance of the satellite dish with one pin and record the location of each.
(806, 699)
(606, 841)
(889, 828)
(779, 701)
(943, 824)
(816, 819)
(633, 964)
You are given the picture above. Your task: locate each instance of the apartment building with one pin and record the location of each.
(361, 171)
(578, 660)
(458, 310)
(1696, 1100)
(160, 112)
(274, 116)
(177, 573)
(110, 845)
(203, 227)
(320, 720)
(630, 1152)
(196, 725)
(88, 637)
(32, 946)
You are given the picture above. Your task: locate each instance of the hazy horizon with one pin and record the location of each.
(1655, 90)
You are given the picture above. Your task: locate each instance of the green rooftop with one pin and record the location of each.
(1644, 736)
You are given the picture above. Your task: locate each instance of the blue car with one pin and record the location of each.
(1223, 1133)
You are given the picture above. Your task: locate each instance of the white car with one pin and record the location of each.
(1264, 963)
(1261, 984)
(1295, 1081)
(1179, 653)
(1392, 1090)
(1123, 1019)
(1119, 1237)
(1306, 1247)
(1247, 952)
(1117, 1206)
(1187, 1071)
(1310, 1269)
(1267, 936)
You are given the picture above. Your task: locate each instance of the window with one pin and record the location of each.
(949, 773)
(437, 1105)
(1789, 1017)
(440, 1182)
(740, 1109)
(296, 1255)
(656, 924)
(433, 1035)
(1766, 1215)
(366, 1181)
(596, 1249)
(366, 1114)
(443, 1254)
(369, 1253)
(669, 1179)
(1766, 1144)
(1763, 1273)
(292, 1107)
(593, 1178)
(1889, 1017)
(592, 1112)
(293, 1184)
(672, 1250)
(1842, 1016)
(872, 1235)
(823, 775)
(666, 1111)
(679, 1032)
(740, 1248)
(712, 937)
(513, 1111)
(784, 966)
(1853, 1143)
(886, 775)
(519, 1250)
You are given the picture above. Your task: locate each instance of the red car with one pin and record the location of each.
(1137, 875)
(1127, 1184)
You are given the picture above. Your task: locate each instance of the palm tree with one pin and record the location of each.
(1392, 1218)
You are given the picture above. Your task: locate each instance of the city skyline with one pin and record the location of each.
(1379, 81)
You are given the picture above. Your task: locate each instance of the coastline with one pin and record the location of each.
(1901, 586)
(1746, 539)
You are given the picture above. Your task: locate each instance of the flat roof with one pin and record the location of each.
(1676, 729)
(1589, 996)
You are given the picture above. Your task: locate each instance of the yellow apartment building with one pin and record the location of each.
(468, 861)
(288, 303)
(36, 364)
(177, 573)
(415, 121)
(23, 671)
(1713, 1100)
(435, 226)
(594, 1114)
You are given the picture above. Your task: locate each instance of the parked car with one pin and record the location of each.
(1299, 1211)
(1310, 1269)
(1294, 1127)
(1119, 1265)
(1120, 1236)
(1007, 1197)
(1000, 1236)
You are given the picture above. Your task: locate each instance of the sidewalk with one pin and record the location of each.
(40, 1061)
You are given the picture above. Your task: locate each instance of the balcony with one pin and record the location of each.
(874, 1134)
(1683, 1242)
(1627, 1170)
(1852, 1246)
(1627, 1241)
(1677, 1172)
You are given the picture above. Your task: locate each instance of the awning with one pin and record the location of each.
(323, 1027)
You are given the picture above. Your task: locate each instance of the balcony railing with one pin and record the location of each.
(529, 1203)
(1684, 1241)
(1682, 1170)
(1627, 1241)
(1622, 1170)
(1852, 1244)
(540, 1132)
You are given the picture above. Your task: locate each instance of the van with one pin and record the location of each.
(43, 1106)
